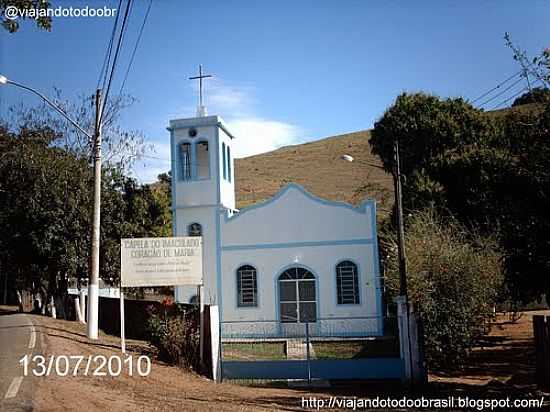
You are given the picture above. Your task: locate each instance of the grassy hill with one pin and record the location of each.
(319, 168)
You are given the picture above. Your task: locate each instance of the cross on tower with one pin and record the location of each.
(200, 77)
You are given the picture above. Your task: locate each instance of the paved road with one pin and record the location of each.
(17, 338)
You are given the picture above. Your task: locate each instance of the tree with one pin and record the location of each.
(492, 174)
(431, 131)
(33, 7)
(535, 95)
(45, 197)
(454, 280)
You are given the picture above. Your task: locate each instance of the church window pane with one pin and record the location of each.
(307, 312)
(288, 292)
(194, 229)
(185, 157)
(288, 312)
(247, 286)
(347, 283)
(203, 167)
(224, 163)
(297, 295)
(228, 163)
(307, 290)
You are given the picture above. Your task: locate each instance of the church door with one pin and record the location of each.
(297, 296)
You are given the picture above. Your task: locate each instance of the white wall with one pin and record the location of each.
(206, 217)
(298, 229)
(296, 217)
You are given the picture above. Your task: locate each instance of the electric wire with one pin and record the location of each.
(115, 58)
(136, 46)
(496, 87)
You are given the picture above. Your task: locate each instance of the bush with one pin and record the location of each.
(454, 279)
(174, 331)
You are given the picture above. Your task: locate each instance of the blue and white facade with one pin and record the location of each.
(292, 259)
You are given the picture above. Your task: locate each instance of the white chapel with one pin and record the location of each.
(292, 259)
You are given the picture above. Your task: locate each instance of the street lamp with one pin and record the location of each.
(5, 80)
(93, 283)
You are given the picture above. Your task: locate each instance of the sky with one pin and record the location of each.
(285, 72)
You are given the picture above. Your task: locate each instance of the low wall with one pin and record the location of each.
(109, 315)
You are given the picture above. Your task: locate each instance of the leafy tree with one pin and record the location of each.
(44, 200)
(536, 95)
(490, 173)
(12, 25)
(45, 197)
(431, 132)
(454, 280)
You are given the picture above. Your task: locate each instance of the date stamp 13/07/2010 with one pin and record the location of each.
(80, 365)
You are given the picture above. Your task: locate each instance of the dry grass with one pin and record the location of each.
(318, 167)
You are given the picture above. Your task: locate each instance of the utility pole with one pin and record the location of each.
(93, 282)
(400, 227)
(404, 296)
(5, 287)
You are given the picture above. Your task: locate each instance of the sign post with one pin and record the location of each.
(122, 322)
(161, 261)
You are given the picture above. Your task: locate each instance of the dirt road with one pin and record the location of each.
(502, 367)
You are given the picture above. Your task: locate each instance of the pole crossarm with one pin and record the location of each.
(53, 105)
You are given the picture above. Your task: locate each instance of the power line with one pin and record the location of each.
(136, 45)
(496, 87)
(115, 59)
(501, 93)
(510, 98)
(153, 157)
(107, 59)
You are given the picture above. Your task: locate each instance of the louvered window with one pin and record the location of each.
(247, 286)
(347, 283)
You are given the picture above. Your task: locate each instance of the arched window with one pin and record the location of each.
(347, 283)
(247, 286)
(297, 296)
(203, 167)
(186, 162)
(194, 229)
(224, 164)
(228, 163)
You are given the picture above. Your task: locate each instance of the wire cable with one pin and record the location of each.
(107, 59)
(501, 93)
(510, 98)
(136, 46)
(115, 58)
(496, 87)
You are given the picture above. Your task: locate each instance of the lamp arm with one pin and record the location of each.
(53, 105)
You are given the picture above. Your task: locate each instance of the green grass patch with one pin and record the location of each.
(254, 351)
(356, 349)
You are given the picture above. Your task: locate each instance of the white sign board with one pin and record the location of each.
(161, 261)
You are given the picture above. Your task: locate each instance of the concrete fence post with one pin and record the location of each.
(404, 336)
(83, 305)
(215, 342)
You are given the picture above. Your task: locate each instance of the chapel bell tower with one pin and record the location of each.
(203, 187)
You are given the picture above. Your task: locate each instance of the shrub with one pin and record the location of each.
(174, 330)
(454, 279)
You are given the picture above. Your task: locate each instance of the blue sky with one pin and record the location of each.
(285, 71)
